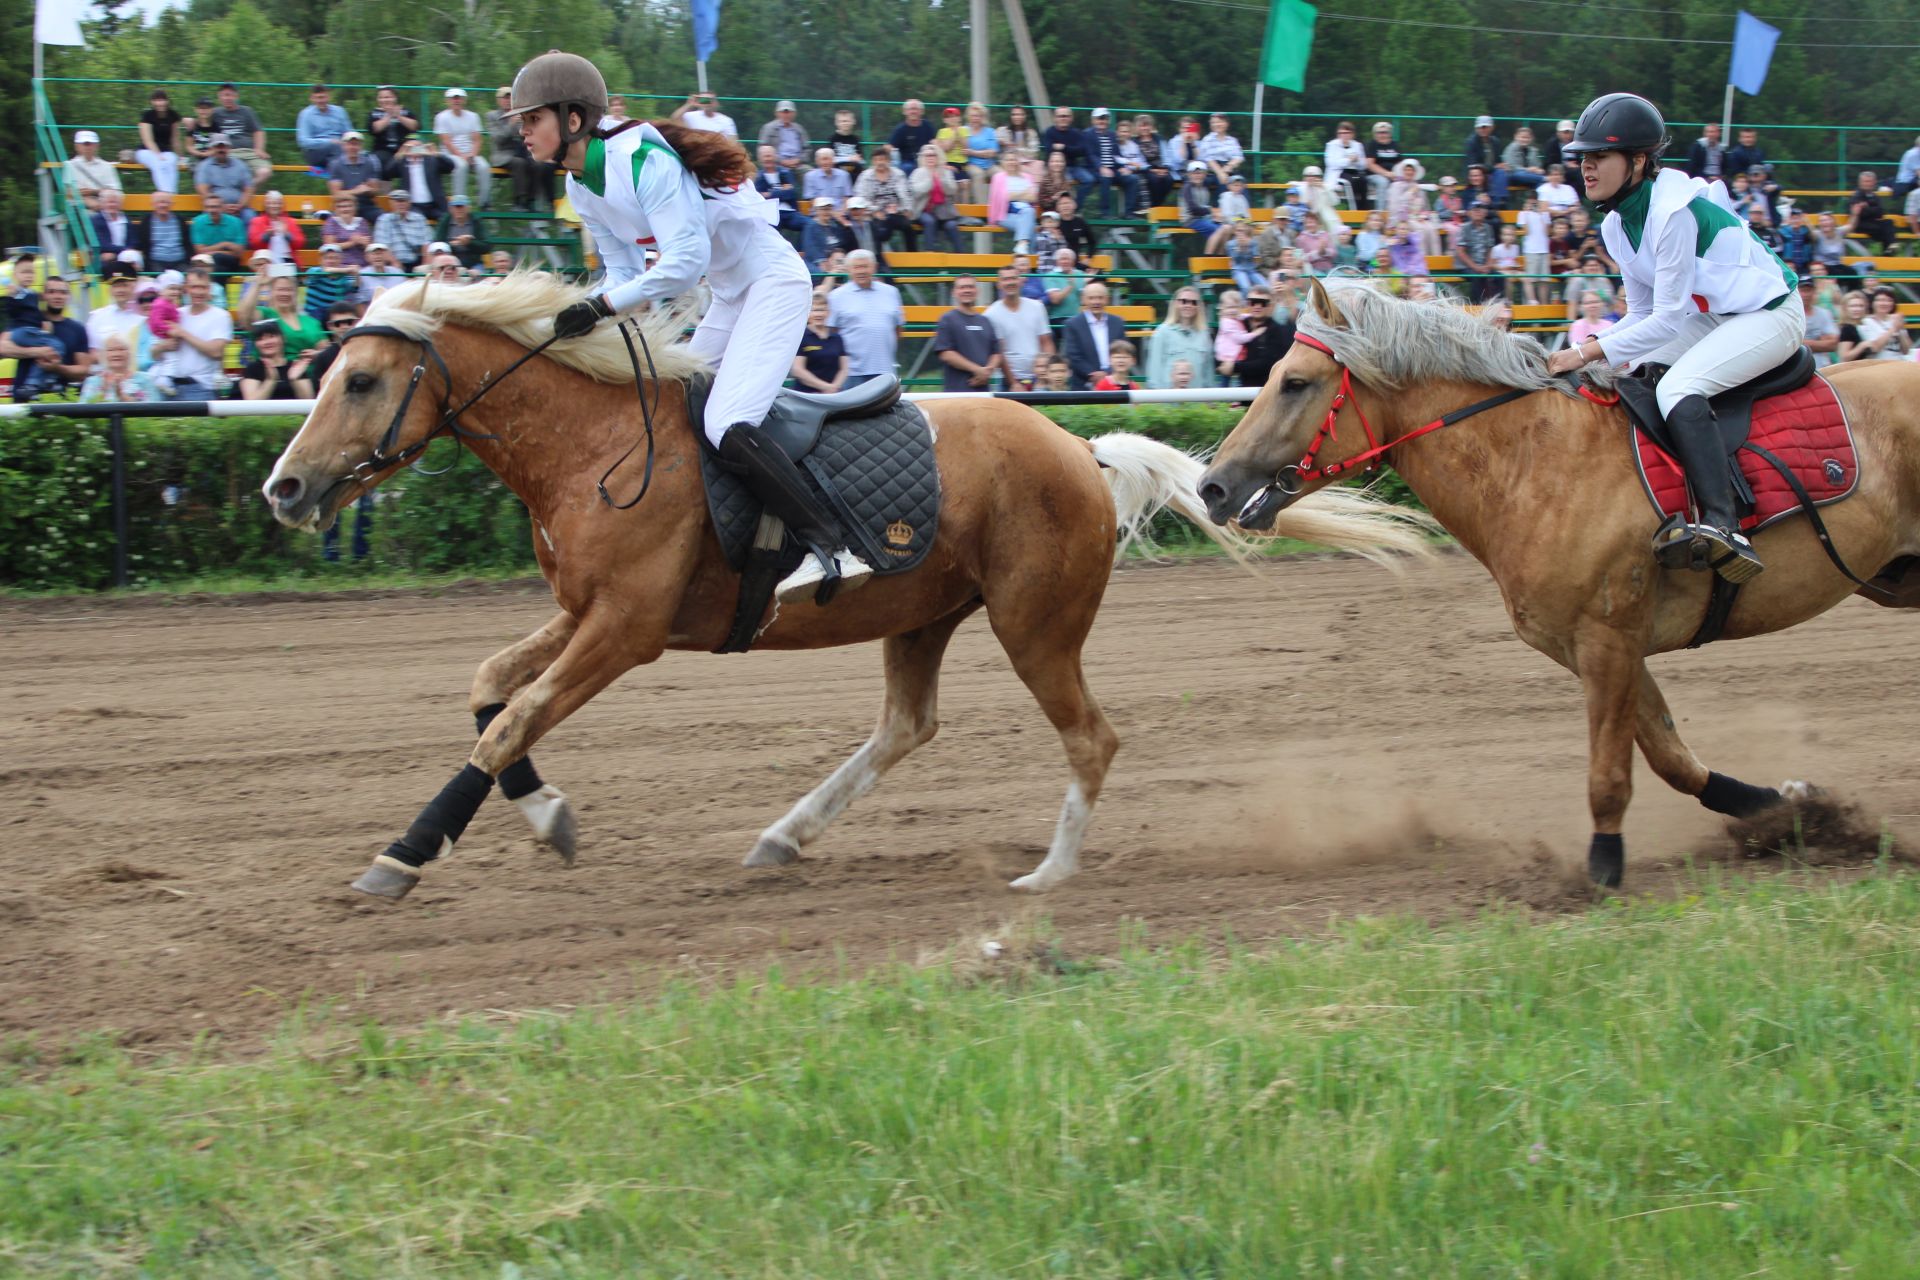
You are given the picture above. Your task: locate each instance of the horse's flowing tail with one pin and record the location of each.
(1147, 477)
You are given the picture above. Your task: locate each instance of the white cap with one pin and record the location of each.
(823, 202)
(380, 245)
(1311, 171)
(1100, 111)
(1482, 122)
(169, 277)
(259, 254)
(785, 104)
(134, 256)
(455, 93)
(439, 246)
(85, 135)
(330, 247)
(1196, 166)
(858, 202)
(352, 133)
(1378, 125)
(1565, 126)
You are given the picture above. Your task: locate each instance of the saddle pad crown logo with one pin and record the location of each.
(899, 534)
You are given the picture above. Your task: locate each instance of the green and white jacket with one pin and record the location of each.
(1682, 251)
(635, 194)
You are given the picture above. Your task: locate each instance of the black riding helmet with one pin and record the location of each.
(1621, 122)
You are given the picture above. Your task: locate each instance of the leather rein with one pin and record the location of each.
(1295, 476)
(383, 459)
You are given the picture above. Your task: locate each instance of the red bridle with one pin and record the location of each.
(1304, 471)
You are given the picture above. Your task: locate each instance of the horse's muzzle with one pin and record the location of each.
(1243, 494)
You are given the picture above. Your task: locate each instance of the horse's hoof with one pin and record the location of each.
(772, 851)
(385, 880)
(551, 817)
(1796, 791)
(1034, 882)
(1606, 860)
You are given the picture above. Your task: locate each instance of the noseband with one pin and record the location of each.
(1295, 476)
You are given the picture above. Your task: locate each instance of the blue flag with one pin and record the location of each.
(1753, 42)
(706, 29)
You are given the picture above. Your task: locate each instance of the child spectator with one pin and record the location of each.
(1243, 257)
(1371, 240)
(1536, 247)
(1593, 320)
(1120, 355)
(845, 142)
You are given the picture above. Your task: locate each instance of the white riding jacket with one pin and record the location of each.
(1683, 252)
(635, 194)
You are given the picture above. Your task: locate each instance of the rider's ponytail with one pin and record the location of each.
(715, 159)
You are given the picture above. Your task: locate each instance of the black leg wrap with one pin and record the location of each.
(445, 818)
(519, 778)
(1606, 860)
(1735, 798)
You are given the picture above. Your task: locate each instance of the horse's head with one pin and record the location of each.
(1254, 474)
(381, 402)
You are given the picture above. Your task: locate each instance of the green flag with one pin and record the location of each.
(1283, 63)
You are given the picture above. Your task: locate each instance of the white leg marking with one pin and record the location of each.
(820, 806)
(1797, 791)
(1063, 859)
(543, 810)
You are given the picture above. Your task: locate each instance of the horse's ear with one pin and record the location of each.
(1324, 307)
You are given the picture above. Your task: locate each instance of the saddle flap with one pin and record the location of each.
(796, 418)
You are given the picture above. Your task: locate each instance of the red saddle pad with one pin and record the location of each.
(1805, 428)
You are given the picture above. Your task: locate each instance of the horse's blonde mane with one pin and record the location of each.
(1396, 344)
(521, 305)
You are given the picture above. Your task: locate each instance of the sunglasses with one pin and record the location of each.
(1259, 302)
(340, 324)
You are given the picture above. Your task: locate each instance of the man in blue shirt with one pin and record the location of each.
(54, 354)
(1061, 136)
(869, 318)
(318, 128)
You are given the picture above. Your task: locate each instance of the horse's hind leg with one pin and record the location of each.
(494, 684)
(909, 717)
(1680, 769)
(1045, 650)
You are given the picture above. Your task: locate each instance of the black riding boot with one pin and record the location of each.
(1717, 542)
(777, 481)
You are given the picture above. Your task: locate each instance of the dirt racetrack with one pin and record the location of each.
(188, 788)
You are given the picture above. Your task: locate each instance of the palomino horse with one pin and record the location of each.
(1028, 528)
(1543, 491)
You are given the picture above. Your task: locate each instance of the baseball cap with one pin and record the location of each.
(351, 133)
(824, 202)
(506, 89)
(400, 193)
(378, 244)
(169, 277)
(205, 102)
(330, 247)
(120, 271)
(858, 202)
(260, 255)
(259, 327)
(1449, 181)
(220, 140)
(455, 93)
(785, 104)
(85, 135)
(1237, 177)
(1311, 171)
(1565, 126)
(951, 111)
(1196, 166)
(202, 257)
(133, 256)
(1051, 216)
(439, 246)
(1481, 122)
(1101, 111)
(459, 200)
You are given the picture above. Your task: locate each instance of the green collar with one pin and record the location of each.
(1633, 211)
(594, 176)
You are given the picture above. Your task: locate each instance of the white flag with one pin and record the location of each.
(58, 21)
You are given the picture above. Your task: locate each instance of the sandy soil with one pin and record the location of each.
(189, 787)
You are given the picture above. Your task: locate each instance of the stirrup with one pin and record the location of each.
(1680, 544)
(823, 580)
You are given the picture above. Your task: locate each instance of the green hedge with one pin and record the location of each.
(195, 509)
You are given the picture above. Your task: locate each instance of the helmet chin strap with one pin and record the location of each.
(1627, 188)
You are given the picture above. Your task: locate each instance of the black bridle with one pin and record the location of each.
(384, 459)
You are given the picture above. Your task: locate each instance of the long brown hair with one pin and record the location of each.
(715, 159)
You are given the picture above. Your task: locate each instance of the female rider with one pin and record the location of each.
(642, 184)
(1704, 296)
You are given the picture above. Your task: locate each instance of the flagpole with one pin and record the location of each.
(1260, 88)
(1726, 118)
(700, 71)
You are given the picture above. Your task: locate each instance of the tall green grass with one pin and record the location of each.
(1723, 1085)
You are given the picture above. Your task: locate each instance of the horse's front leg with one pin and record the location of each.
(498, 679)
(1609, 667)
(605, 645)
